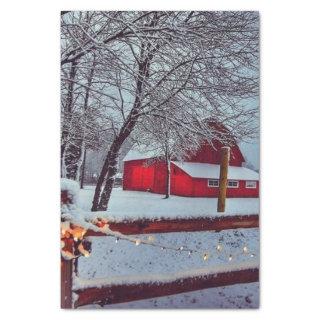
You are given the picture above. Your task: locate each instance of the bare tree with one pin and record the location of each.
(167, 141)
(206, 62)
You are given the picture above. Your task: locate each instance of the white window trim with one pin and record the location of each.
(213, 186)
(237, 186)
(251, 181)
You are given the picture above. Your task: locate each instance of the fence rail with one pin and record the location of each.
(131, 292)
(179, 225)
(125, 293)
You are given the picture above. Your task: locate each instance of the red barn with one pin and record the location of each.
(196, 177)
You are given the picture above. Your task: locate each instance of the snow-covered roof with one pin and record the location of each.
(137, 155)
(212, 171)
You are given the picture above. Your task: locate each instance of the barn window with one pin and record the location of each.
(213, 183)
(251, 184)
(233, 184)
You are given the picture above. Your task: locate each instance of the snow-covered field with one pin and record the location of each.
(129, 205)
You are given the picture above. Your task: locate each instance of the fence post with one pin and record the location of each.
(224, 163)
(66, 283)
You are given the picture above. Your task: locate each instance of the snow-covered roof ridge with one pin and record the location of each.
(212, 171)
(134, 154)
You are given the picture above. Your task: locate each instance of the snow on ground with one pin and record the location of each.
(237, 296)
(122, 261)
(115, 262)
(130, 205)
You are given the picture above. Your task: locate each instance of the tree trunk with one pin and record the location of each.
(80, 161)
(72, 76)
(108, 172)
(100, 181)
(82, 147)
(67, 111)
(63, 169)
(168, 184)
(110, 166)
(112, 170)
(83, 168)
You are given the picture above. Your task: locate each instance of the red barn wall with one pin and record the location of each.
(181, 183)
(138, 176)
(184, 185)
(201, 189)
(207, 154)
(160, 177)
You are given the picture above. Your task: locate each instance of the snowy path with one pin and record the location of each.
(131, 205)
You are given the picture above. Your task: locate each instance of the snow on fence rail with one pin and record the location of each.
(104, 292)
(176, 225)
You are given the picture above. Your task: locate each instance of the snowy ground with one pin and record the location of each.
(110, 259)
(238, 296)
(128, 205)
(123, 262)
(119, 261)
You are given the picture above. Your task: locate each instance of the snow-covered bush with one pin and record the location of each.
(71, 189)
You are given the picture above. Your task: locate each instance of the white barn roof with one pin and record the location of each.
(137, 155)
(212, 171)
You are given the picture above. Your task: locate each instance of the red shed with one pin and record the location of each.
(196, 177)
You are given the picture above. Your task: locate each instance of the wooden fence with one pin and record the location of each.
(130, 292)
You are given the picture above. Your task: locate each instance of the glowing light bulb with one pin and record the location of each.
(251, 255)
(219, 247)
(189, 253)
(230, 257)
(151, 238)
(181, 248)
(77, 232)
(83, 251)
(138, 241)
(117, 240)
(245, 249)
(205, 257)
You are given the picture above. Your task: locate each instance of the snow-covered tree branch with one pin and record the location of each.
(167, 71)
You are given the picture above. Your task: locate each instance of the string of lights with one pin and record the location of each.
(77, 233)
